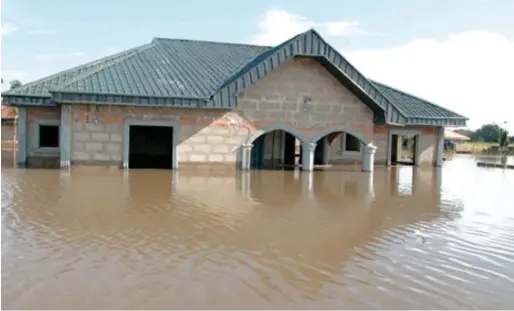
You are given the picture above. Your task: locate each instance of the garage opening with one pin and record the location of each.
(151, 147)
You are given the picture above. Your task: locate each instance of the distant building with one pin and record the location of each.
(451, 139)
(175, 103)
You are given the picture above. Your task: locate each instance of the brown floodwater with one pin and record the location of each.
(407, 238)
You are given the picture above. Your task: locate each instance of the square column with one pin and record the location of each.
(308, 156)
(22, 127)
(65, 137)
(439, 147)
(246, 156)
(368, 157)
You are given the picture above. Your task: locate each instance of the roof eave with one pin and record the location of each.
(431, 121)
(25, 100)
(67, 97)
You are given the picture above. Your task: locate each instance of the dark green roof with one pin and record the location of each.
(41, 87)
(210, 74)
(413, 106)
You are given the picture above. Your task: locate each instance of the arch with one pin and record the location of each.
(340, 128)
(276, 127)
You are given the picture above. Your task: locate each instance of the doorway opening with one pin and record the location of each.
(403, 149)
(150, 147)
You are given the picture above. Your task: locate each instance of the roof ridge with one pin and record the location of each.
(264, 55)
(416, 97)
(100, 68)
(156, 39)
(91, 63)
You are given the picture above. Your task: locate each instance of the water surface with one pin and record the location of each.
(407, 238)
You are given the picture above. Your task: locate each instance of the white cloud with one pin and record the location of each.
(343, 28)
(277, 25)
(60, 55)
(8, 29)
(470, 73)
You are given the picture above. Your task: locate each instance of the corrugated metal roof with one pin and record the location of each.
(40, 88)
(412, 106)
(169, 69)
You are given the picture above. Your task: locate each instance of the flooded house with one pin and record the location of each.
(175, 103)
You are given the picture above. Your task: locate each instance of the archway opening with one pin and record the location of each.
(276, 150)
(338, 148)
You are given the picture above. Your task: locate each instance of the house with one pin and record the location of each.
(451, 139)
(176, 103)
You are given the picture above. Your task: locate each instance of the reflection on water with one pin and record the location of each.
(97, 238)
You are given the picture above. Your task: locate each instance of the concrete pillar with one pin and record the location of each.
(22, 138)
(246, 156)
(368, 157)
(417, 150)
(439, 147)
(65, 137)
(389, 147)
(308, 156)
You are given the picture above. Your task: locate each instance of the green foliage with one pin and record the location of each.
(489, 133)
(504, 139)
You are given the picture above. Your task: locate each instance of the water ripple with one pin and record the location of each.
(155, 240)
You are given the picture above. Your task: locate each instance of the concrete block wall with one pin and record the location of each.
(8, 132)
(427, 141)
(279, 97)
(380, 140)
(206, 136)
(39, 113)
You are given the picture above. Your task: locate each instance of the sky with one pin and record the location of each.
(456, 53)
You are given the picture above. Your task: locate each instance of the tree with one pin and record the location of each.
(504, 139)
(14, 84)
(488, 133)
